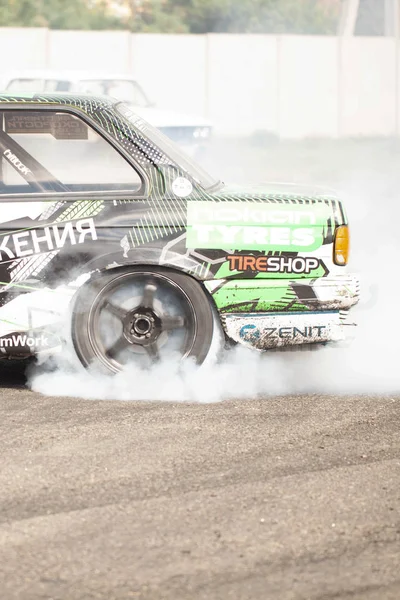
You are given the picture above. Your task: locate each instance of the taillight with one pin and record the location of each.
(341, 245)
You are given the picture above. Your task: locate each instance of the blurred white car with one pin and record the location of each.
(190, 132)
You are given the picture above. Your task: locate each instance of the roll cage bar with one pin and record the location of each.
(36, 175)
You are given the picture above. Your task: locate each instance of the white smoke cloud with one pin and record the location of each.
(370, 364)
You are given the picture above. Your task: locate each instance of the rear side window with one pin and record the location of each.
(57, 151)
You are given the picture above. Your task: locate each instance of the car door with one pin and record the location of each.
(57, 175)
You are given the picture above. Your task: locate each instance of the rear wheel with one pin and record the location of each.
(141, 316)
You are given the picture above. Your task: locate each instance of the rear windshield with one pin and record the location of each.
(124, 90)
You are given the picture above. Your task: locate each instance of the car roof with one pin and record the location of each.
(84, 101)
(65, 75)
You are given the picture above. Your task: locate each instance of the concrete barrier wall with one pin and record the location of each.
(172, 68)
(23, 48)
(108, 50)
(289, 86)
(368, 94)
(308, 86)
(242, 82)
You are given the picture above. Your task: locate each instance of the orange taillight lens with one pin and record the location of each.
(341, 245)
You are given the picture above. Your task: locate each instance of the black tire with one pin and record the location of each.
(142, 314)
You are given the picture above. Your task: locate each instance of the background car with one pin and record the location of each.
(191, 132)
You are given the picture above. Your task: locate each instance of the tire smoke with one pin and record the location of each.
(367, 365)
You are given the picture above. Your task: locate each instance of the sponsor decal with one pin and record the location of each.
(254, 213)
(257, 226)
(13, 159)
(22, 341)
(35, 241)
(182, 187)
(273, 264)
(250, 333)
(60, 126)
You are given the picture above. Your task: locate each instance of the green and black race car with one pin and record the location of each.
(112, 236)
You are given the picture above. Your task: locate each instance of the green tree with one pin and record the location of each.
(260, 16)
(155, 16)
(57, 14)
(176, 16)
(234, 16)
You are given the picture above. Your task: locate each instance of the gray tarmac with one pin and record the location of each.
(285, 498)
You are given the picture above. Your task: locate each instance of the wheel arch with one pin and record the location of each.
(112, 262)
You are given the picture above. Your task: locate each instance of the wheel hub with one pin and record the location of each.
(142, 326)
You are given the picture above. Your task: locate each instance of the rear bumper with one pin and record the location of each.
(287, 313)
(266, 331)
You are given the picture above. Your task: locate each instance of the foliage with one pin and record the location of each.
(260, 16)
(57, 14)
(176, 16)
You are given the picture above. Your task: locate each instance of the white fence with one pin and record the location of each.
(291, 86)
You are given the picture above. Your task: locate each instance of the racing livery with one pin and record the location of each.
(112, 236)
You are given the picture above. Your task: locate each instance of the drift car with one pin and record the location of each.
(111, 236)
(191, 132)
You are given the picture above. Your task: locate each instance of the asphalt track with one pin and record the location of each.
(284, 498)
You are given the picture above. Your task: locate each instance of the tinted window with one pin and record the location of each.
(59, 151)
